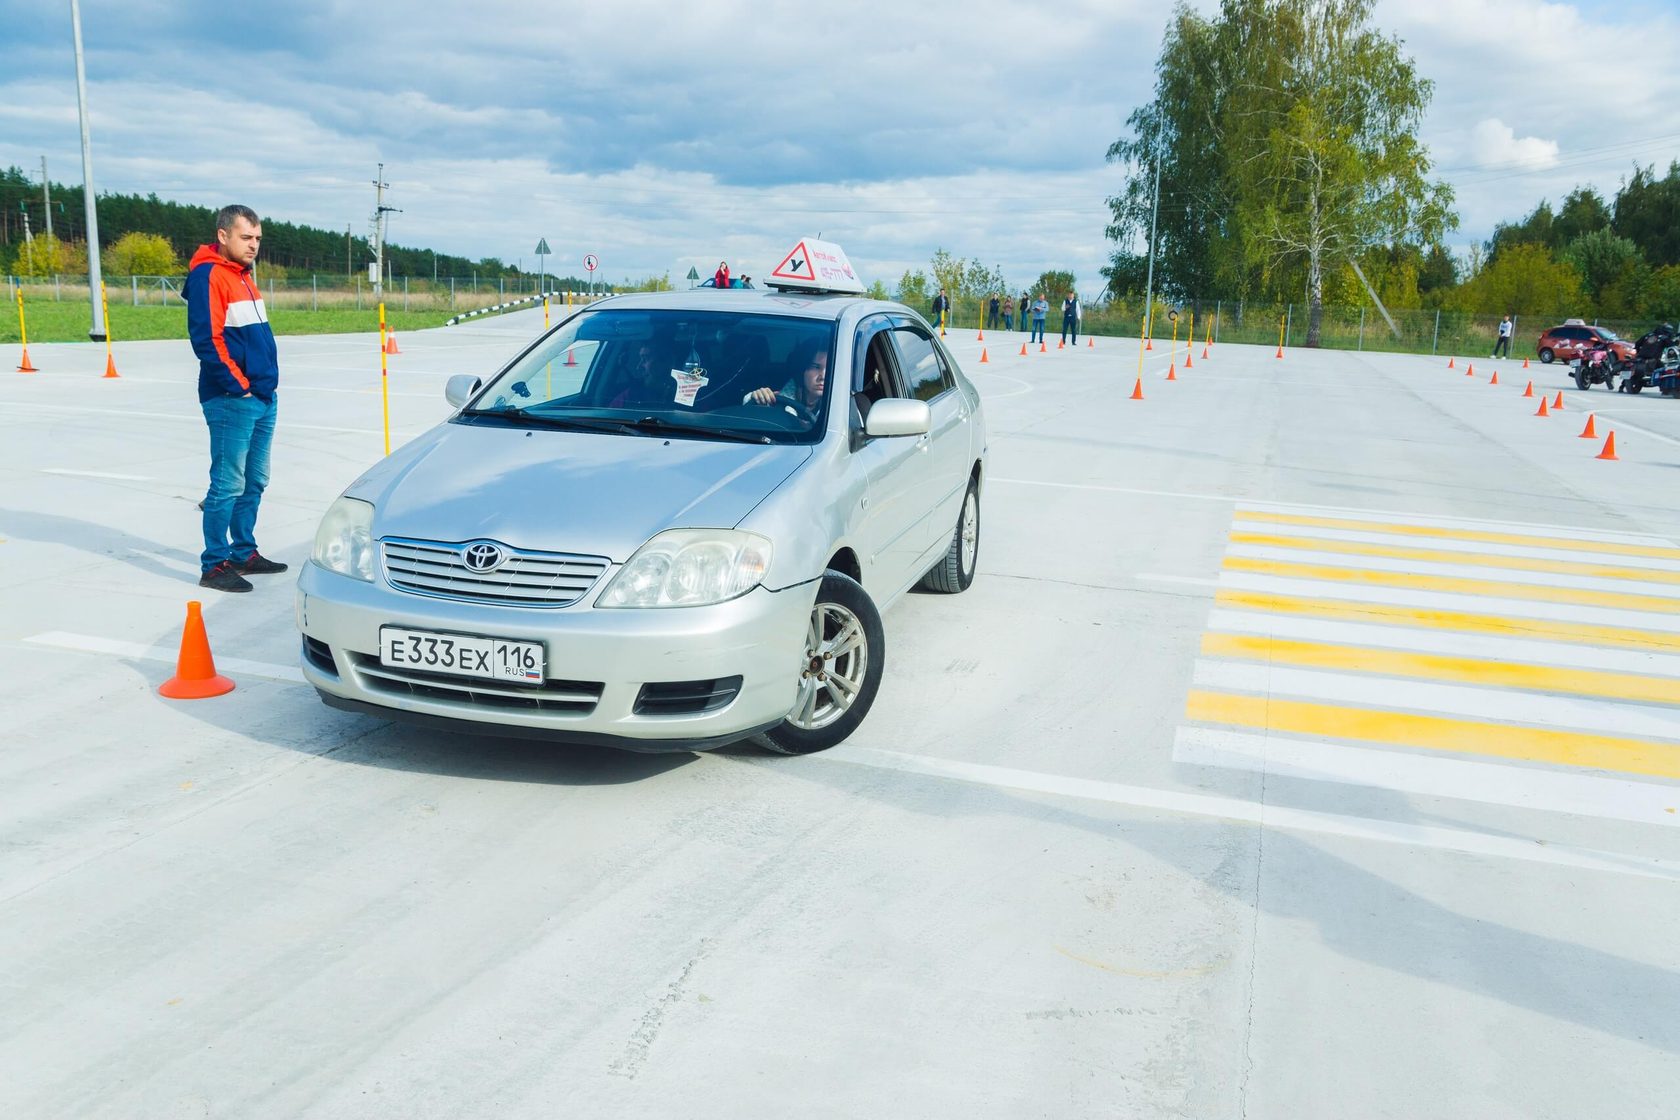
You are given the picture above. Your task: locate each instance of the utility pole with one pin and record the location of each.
(349, 266)
(97, 333)
(1149, 282)
(46, 194)
(379, 212)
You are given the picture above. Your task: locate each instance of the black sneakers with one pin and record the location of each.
(257, 564)
(223, 578)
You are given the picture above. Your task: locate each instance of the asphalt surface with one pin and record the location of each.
(1307, 746)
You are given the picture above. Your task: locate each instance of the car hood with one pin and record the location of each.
(598, 495)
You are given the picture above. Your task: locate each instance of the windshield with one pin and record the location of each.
(1607, 334)
(702, 374)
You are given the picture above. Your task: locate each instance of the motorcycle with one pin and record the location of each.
(1596, 366)
(1649, 357)
(1666, 376)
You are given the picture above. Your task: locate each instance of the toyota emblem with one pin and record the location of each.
(482, 556)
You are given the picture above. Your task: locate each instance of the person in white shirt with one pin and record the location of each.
(1504, 341)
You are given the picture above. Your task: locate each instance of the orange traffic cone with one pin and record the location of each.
(1588, 432)
(1023, 350)
(391, 343)
(1609, 451)
(1137, 390)
(1205, 346)
(1557, 405)
(1280, 352)
(1189, 360)
(111, 367)
(1469, 369)
(1525, 363)
(1495, 379)
(1171, 376)
(1542, 409)
(26, 367)
(1043, 349)
(1061, 344)
(982, 355)
(195, 670)
(1090, 342)
(981, 337)
(1529, 392)
(1149, 344)
(571, 361)
(1450, 363)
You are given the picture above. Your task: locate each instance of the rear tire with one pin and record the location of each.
(955, 572)
(1546, 357)
(839, 672)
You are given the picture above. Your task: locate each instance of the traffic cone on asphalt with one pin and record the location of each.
(1205, 350)
(1171, 376)
(391, 343)
(1090, 342)
(571, 361)
(1137, 390)
(1525, 363)
(1588, 432)
(1061, 344)
(982, 355)
(1149, 344)
(1280, 351)
(1529, 392)
(981, 337)
(26, 367)
(1187, 358)
(1469, 369)
(195, 670)
(1495, 379)
(1023, 350)
(1542, 409)
(1042, 348)
(111, 367)
(1557, 405)
(1609, 451)
(1450, 363)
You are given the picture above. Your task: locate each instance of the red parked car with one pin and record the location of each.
(1565, 343)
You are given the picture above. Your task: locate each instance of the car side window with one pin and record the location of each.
(925, 376)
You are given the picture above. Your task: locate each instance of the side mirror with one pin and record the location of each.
(458, 390)
(898, 417)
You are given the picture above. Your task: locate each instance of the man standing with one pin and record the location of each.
(1504, 341)
(1040, 309)
(992, 312)
(1070, 318)
(941, 304)
(1024, 302)
(238, 375)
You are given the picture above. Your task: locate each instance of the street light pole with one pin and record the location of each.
(97, 333)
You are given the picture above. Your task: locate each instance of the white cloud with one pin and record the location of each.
(1496, 146)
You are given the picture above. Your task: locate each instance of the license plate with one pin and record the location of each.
(464, 655)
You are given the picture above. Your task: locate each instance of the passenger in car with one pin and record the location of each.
(645, 384)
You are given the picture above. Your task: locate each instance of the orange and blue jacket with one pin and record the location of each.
(228, 325)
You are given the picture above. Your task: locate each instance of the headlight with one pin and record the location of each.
(344, 542)
(690, 568)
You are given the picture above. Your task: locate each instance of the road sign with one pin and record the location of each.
(693, 273)
(591, 262)
(542, 249)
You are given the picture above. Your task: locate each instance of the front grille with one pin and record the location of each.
(686, 698)
(571, 697)
(319, 655)
(524, 579)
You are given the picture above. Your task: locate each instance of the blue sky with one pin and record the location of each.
(663, 134)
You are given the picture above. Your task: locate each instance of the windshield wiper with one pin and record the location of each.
(652, 424)
(563, 423)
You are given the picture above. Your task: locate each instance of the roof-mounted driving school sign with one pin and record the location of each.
(816, 266)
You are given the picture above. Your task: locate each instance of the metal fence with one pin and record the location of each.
(315, 292)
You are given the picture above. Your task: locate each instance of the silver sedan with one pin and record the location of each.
(671, 524)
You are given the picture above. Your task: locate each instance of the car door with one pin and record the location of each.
(927, 376)
(891, 529)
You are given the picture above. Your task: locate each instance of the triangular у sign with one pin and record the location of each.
(795, 266)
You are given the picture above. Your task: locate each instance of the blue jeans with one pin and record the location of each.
(1037, 330)
(241, 433)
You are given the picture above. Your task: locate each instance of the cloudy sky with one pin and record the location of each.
(664, 134)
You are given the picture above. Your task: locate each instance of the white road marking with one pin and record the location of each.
(1459, 571)
(1439, 521)
(1255, 813)
(1492, 647)
(1404, 772)
(83, 643)
(1498, 705)
(95, 474)
(1354, 595)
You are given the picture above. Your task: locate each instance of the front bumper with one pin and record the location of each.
(597, 663)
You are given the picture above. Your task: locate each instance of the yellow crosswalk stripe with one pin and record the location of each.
(1457, 585)
(1564, 748)
(1584, 633)
(1441, 667)
(1476, 559)
(1483, 535)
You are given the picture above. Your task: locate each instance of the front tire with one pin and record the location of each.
(839, 672)
(955, 572)
(1582, 380)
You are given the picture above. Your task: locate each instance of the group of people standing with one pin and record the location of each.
(1000, 310)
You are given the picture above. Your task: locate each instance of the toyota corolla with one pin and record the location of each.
(670, 524)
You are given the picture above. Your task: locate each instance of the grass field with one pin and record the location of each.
(68, 322)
